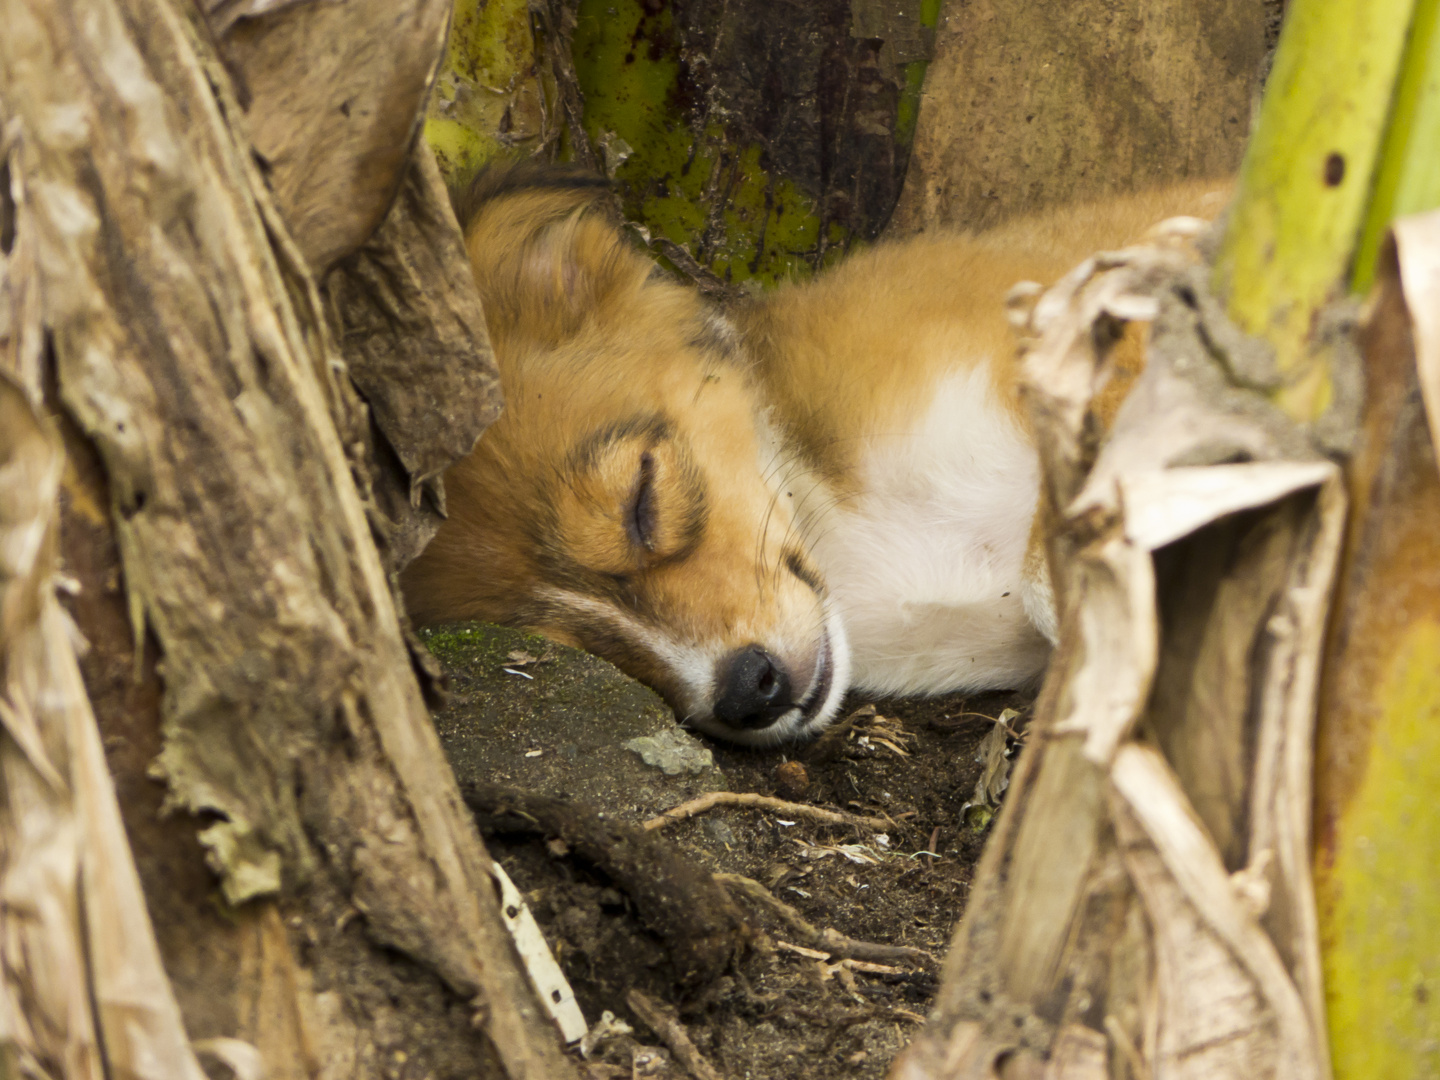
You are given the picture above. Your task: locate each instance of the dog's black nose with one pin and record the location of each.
(754, 689)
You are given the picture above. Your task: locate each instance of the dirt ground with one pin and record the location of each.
(788, 1006)
(782, 1015)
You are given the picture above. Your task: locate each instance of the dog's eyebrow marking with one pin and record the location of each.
(797, 566)
(585, 455)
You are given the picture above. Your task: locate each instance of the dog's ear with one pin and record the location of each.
(546, 253)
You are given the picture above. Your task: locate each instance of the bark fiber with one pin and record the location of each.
(247, 652)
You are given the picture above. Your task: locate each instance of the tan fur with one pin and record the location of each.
(854, 352)
(628, 397)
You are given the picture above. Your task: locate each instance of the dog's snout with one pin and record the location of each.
(754, 689)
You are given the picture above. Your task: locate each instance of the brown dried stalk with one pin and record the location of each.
(713, 799)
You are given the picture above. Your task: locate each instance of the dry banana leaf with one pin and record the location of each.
(412, 332)
(83, 992)
(1144, 907)
(154, 299)
(334, 96)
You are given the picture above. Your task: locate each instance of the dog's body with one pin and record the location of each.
(833, 485)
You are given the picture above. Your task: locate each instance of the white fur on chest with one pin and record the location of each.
(925, 566)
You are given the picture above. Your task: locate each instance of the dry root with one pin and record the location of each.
(676, 899)
(830, 942)
(763, 802)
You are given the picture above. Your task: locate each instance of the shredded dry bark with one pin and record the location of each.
(83, 991)
(1146, 896)
(189, 347)
(409, 324)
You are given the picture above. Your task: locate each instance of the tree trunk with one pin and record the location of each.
(1027, 106)
(245, 650)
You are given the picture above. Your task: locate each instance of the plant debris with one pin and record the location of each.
(994, 759)
(760, 802)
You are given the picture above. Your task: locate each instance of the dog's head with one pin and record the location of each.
(627, 500)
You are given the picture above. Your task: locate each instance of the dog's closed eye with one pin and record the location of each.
(640, 518)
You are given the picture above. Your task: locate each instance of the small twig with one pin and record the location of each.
(801, 950)
(827, 940)
(869, 967)
(965, 719)
(761, 802)
(665, 1023)
(702, 277)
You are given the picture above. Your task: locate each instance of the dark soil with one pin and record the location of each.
(776, 1013)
